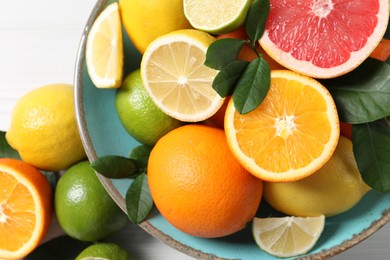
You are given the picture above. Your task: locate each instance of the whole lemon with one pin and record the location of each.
(43, 128)
(334, 189)
(84, 209)
(138, 114)
(145, 20)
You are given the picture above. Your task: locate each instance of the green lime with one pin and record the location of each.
(141, 118)
(102, 251)
(216, 16)
(84, 209)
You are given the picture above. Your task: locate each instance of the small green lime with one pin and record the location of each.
(109, 251)
(84, 209)
(141, 118)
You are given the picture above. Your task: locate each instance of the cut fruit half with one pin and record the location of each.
(216, 16)
(173, 72)
(324, 38)
(104, 49)
(25, 208)
(292, 134)
(287, 236)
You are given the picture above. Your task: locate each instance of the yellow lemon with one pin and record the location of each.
(44, 130)
(145, 20)
(335, 188)
(174, 74)
(287, 236)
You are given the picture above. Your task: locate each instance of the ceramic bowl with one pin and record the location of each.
(102, 134)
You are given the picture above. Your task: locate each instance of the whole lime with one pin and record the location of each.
(84, 209)
(105, 251)
(141, 118)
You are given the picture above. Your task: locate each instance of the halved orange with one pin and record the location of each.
(291, 134)
(25, 208)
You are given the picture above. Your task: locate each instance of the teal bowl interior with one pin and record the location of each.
(102, 134)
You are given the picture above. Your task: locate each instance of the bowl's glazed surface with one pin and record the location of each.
(103, 134)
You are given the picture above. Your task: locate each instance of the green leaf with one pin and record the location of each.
(6, 151)
(371, 147)
(139, 202)
(362, 95)
(225, 81)
(223, 51)
(252, 87)
(140, 155)
(256, 19)
(116, 167)
(60, 248)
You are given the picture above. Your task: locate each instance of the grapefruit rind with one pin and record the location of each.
(309, 69)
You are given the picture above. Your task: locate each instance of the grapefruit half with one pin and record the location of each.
(324, 38)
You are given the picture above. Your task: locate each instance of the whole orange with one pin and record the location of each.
(198, 185)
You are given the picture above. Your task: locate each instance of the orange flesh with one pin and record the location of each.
(293, 129)
(17, 213)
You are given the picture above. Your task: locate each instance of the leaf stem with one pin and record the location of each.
(252, 45)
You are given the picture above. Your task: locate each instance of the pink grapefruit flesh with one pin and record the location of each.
(324, 38)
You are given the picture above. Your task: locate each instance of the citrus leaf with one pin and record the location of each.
(60, 248)
(116, 167)
(140, 155)
(223, 51)
(362, 95)
(256, 19)
(226, 79)
(139, 202)
(371, 147)
(252, 86)
(6, 151)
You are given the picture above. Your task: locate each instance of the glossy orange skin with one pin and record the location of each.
(198, 185)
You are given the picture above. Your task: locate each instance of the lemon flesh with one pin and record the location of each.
(104, 49)
(174, 74)
(287, 236)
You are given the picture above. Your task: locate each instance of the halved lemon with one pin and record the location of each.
(104, 49)
(174, 74)
(287, 236)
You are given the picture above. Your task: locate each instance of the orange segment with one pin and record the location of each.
(25, 208)
(291, 134)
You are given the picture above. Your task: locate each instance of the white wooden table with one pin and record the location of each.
(38, 45)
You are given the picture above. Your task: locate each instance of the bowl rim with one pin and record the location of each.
(117, 197)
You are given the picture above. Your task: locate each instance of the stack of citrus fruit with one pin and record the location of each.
(206, 181)
(291, 139)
